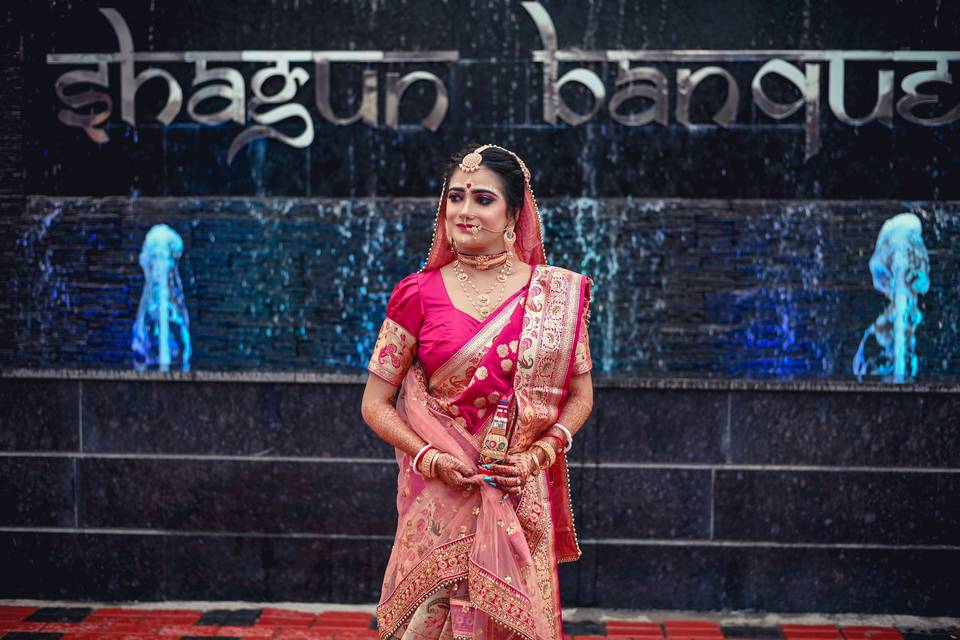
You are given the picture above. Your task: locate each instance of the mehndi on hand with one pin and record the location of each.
(511, 475)
(453, 473)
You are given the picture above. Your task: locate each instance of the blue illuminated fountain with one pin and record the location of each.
(162, 315)
(901, 271)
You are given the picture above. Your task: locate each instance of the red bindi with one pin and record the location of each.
(469, 185)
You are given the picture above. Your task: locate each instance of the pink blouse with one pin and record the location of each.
(421, 305)
(423, 322)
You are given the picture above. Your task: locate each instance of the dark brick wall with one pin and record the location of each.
(771, 497)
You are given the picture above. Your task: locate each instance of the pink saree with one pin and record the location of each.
(479, 563)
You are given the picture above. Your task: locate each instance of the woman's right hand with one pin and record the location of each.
(454, 473)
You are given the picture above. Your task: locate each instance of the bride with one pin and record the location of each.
(488, 347)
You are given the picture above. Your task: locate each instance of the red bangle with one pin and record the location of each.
(415, 465)
(559, 441)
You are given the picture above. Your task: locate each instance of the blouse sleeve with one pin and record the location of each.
(582, 361)
(396, 344)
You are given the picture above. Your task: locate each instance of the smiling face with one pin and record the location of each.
(477, 211)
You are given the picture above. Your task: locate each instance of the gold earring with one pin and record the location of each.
(509, 237)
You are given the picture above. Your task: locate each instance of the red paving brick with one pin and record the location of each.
(248, 632)
(624, 629)
(23, 626)
(692, 629)
(810, 632)
(177, 630)
(316, 633)
(118, 623)
(871, 633)
(8, 612)
(286, 618)
(345, 619)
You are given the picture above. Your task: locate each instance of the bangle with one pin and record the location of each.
(416, 458)
(433, 463)
(566, 434)
(428, 459)
(536, 460)
(561, 443)
(547, 449)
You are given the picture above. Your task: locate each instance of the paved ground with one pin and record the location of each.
(49, 620)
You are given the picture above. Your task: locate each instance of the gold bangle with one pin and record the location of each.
(551, 452)
(536, 461)
(547, 449)
(432, 469)
(426, 462)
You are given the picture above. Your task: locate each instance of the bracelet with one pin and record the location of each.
(561, 443)
(428, 459)
(551, 454)
(566, 434)
(536, 460)
(416, 458)
(433, 463)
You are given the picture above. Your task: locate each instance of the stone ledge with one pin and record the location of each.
(600, 380)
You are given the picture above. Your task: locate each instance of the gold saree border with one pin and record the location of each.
(506, 605)
(394, 351)
(534, 515)
(547, 352)
(443, 565)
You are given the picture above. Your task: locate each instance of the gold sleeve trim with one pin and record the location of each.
(394, 352)
(582, 362)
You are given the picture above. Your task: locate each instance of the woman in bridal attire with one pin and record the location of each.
(488, 347)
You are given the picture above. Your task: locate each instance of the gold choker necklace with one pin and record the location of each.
(483, 262)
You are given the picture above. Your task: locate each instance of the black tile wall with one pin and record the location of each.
(81, 566)
(228, 419)
(239, 496)
(39, 415)
(652, 426)
(37, 491)
(867, 429)
(646, 503)
(783, 579)
(776, 498)
(838, 506)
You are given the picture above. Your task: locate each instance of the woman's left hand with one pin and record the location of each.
(512, 474)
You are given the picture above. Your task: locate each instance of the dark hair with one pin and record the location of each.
(501, 163)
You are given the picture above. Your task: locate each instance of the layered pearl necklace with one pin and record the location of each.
(482, 302)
